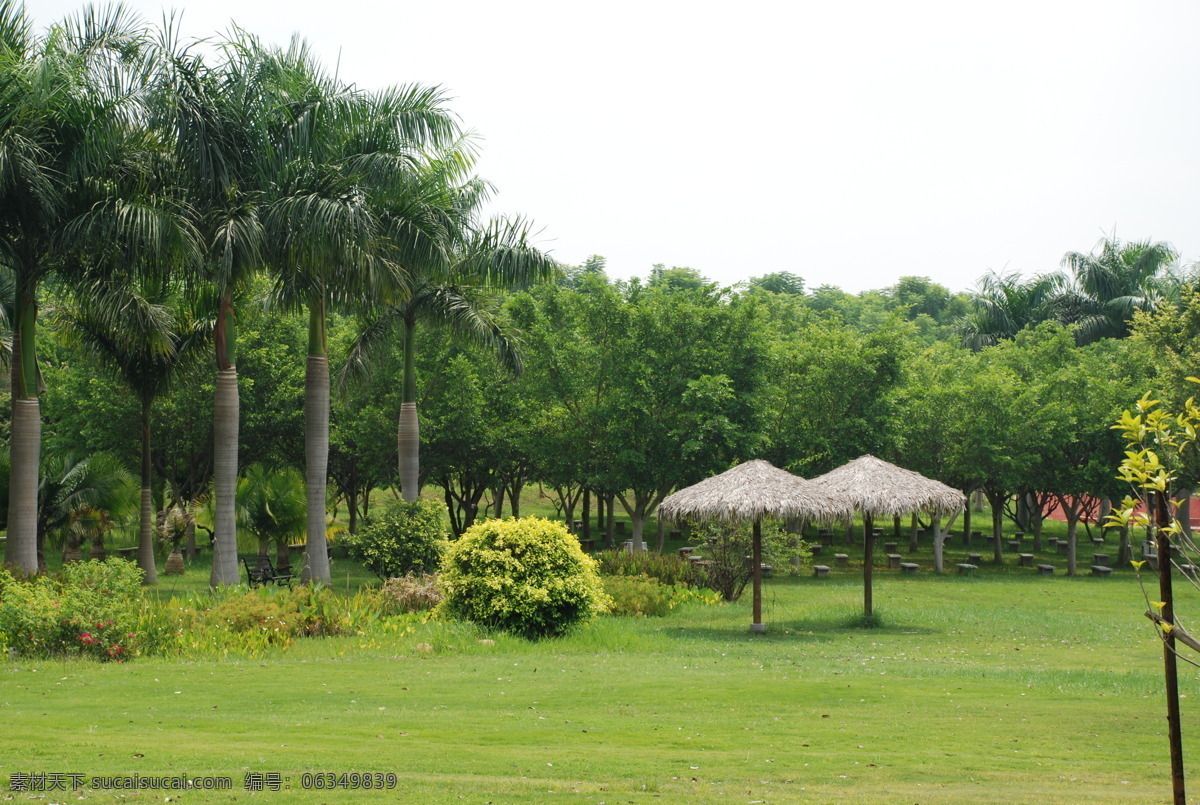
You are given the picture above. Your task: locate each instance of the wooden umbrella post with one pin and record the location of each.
(868, 562)
(758, 625)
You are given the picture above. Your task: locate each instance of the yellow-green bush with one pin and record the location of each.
(526, 576)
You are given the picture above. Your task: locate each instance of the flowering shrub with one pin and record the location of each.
(526, 576)
(89, 609)
(406, 538)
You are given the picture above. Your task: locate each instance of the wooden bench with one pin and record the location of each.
(967, 569)
(821, 571)
(1026, 559)
(261, 571)
(1101, 570)
(1045, 570)
(909, 567)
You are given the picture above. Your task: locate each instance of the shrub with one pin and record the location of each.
(726, 549)
(410, 594)
(89, 609)
(526, 576)
(638, 595)
(406, 538)
(667, 568)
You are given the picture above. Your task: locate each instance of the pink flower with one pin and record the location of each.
(86, 639)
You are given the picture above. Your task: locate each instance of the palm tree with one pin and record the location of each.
(271, 506)
(1004, 305)
(66, 99)
(1110, 286)
(86, 495)
(325, 242)
(219, 120)
(451, 296)
(145, 345)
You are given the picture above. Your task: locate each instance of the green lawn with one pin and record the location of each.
(1005, 688)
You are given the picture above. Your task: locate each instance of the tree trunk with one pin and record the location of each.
(514, 497)
(997, 527)
(498, 495)
(661, 535)
(1124, 551)
(21, 550)
(225, 468)
(896, 526)
(1037, 534)
(1072, 536)
(145, 551)
(610, 527)
(967, 520)
(408, 435)
(587, 513)
(316, 461)
(913, 545)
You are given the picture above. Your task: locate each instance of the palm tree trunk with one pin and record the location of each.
(145, 551)
(24, 456)
(225, 466)
(316, 465)
(408, 435)
(21, 551)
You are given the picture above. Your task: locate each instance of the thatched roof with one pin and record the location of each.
(749, 492)
(880, 489)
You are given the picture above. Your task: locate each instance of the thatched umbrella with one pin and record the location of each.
(748, 493)
(879, 489)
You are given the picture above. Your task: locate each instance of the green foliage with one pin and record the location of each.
(410, 593)
(726, 550)
(643, 596)
(90, 609)
(526, 576)
(405, 538)
(664, 567)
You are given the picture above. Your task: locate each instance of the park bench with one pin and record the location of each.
(1100, 558)
(967, 569)
(261, 571)
(909, 567)
(1026, 559)
(1101, 570)
(974, 558)
(821, 571)
(1045, 570)
(1014, 546)
(894, 560)
(842, 559)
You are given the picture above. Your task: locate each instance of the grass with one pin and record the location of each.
(1007, 687)
(1001, 688)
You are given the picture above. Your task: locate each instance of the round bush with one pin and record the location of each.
(526, 576)
(406, 538)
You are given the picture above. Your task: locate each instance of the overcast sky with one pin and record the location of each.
(851, 143)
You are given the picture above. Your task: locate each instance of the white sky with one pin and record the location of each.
(851, 143)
